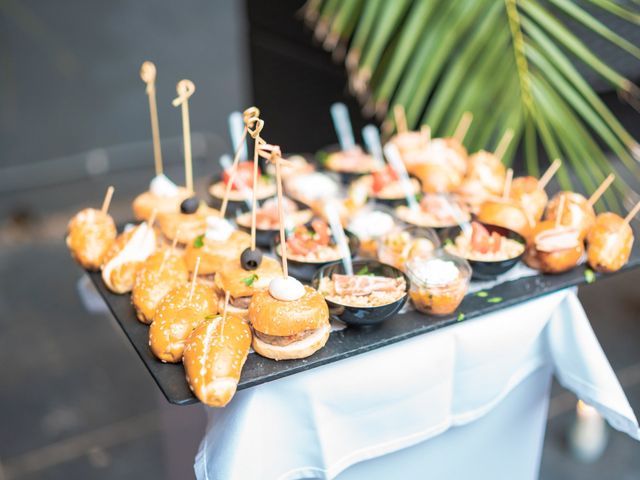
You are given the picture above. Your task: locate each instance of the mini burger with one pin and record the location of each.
(554, 248)
(487, 168)
(163, 195)
(242, 282)
(527, 192)
(90, 236)
(177, 315)
(126, 256)
(506, 213)
(186, 223)
(158, 275)
(219, 245)
(577, 211)
(609, 243)
(289, 320)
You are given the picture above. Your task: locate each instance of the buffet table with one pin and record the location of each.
(466, 399)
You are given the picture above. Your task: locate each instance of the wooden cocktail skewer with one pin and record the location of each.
(249, 115)
(507, 184)
(463, 126)
(595, 196)
(283, 238)
(548, 175)
(501, 149)
(169, 253)
(425, 131)
(148, 75)
(560, 211)
(152, 218)
(193, 279)
(185, 89)
(400, 118)
(632, 213)
(107, 199)
(254, 130)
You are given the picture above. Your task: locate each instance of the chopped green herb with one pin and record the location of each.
(589, 276)
(482, 294)
(265, 178)
(322, 157)
(199, 241)
(494, 300)
(448, 242)
(460, 316)
(419, 197)
(365, 271)
(210, 317)
(250, 279)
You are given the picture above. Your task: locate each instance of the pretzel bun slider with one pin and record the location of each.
(213, 357)
(553, 247)
(158, 275)
(126, 256)
(177, 315)
(504, 212)
(91, 233)
(530, 193)
(578, 211)
(610, 241)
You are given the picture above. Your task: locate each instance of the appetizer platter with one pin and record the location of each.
(314, 264)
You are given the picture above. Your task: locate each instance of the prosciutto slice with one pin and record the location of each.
(560, 238)
(362, 285)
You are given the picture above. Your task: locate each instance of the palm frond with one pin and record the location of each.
(510, 63)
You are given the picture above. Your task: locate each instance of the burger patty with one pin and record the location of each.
(240, 302)
(279, 341)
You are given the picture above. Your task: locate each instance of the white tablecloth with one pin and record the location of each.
(318, 423)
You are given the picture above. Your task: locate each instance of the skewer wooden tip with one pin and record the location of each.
(548, 175)
(595, 196)
(632, 213)
(107, 199)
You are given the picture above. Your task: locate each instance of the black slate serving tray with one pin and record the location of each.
(345, 343)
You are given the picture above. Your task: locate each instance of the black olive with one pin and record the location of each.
(251, 259)
(190, 205)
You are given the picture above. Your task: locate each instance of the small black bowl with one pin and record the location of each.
(363, 316)
(482, 270)
(306, 270)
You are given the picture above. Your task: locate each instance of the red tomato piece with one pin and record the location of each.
(243, 177)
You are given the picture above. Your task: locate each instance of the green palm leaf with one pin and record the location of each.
(510, 63)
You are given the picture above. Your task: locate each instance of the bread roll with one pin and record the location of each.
(609, 243)
(215, 254)
(214, 355)
(576, 213)
(145, 203)
(126, 256)
(158, 275)
(176, 316)
(186, 226)
(526, 192)
(90, 235)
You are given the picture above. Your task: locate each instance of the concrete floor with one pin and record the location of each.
(75, 402)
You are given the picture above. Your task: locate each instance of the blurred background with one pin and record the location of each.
(75, 402)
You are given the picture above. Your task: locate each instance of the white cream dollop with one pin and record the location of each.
(161, 186)
(372, 224)
(219, 229)
(436, 271)
(286, 289)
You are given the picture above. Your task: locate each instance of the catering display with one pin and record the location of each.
(203, 291)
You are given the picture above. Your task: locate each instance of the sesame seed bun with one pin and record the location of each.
(215, 254)
(158, 275)
(91, 234)
(271, 316)
(146, 202)
(177, 316)
(233, 278)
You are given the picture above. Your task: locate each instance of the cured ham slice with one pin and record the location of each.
(560, 238)
(362, 285)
